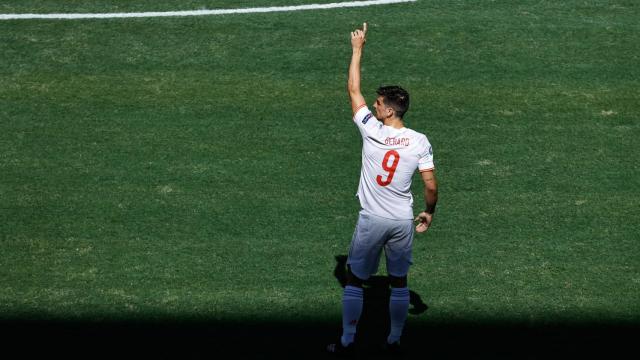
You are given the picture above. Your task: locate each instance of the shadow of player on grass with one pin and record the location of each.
(374, 323)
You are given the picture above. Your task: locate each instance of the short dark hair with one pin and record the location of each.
(396, 98)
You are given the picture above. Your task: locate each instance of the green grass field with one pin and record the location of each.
(205, 167)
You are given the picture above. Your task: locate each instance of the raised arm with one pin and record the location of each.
(430, 198)
(358, 38)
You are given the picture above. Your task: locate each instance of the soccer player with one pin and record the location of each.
(390, 155)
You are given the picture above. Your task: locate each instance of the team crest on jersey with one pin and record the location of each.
(366, 118)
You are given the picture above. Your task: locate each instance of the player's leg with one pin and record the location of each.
(364, 255)
(398, 254)
(398, 307)
(352, 301)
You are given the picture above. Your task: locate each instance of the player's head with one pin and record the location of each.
(392, 101)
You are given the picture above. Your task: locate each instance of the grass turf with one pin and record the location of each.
(205, 167)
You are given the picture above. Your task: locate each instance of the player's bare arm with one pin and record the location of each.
(431, 198)
(358, 38)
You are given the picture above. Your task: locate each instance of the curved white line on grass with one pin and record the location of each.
(202, 12)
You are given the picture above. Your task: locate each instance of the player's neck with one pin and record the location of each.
(394, 122)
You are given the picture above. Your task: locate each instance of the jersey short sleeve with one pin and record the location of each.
(366, 122)
(425, 162)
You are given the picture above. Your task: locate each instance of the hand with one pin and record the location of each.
(358, 37)
(424, 219)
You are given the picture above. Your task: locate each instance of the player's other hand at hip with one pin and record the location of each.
(424, 221)
(358, 37)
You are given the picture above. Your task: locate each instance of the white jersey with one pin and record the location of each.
(390, 157)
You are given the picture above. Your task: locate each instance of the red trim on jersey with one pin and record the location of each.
(431, 169)
(358, 108)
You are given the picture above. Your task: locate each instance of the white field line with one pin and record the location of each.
(201, 12)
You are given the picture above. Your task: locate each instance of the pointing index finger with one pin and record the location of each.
(364, 28)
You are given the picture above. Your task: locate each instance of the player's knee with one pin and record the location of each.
(398, 282)
(352, 279)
